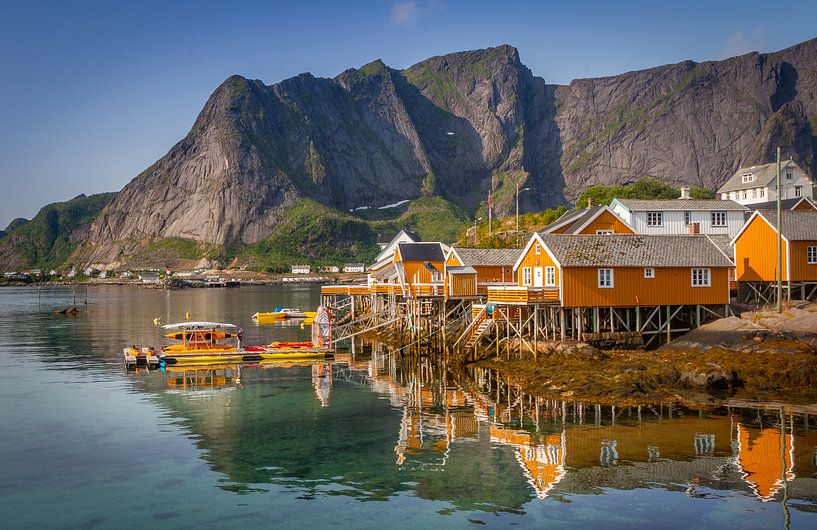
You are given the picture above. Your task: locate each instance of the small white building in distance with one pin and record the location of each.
(750, 185)
(301, 269)
(681, 216)
(354, 267)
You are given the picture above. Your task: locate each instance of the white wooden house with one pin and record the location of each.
(681, 216)
(756, 184)
(301, 269)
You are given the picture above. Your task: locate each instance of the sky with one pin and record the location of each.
(93, 92)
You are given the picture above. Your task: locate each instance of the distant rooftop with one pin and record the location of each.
(488, 257)
(639, 205)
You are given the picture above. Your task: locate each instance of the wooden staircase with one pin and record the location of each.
(481, 330)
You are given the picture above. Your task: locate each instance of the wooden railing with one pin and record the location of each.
(522, 295)
(482, 287)
(426, 289)
(345, 289)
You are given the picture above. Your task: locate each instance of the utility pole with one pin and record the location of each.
(517, 211)
(475, 229)
(779, 242)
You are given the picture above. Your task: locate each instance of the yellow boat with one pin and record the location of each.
(199, 343)
(284, 312)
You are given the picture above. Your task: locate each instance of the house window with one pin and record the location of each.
(811, 255)
(537, 249)
(734, 195)
(550, 276)
(798, 191)
(700, 278)
(744, 194)
(604, 232)
(526, 276)
(748, 177)
(752, 194)
(687, 218)
(724, 196)
(649, 272)
(789, 174)
(655, 218)
(605, 278)
(761, 192)
(719, 219)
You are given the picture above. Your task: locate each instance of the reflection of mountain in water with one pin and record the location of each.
(389, 429)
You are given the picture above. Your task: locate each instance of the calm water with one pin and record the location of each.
(368, 441)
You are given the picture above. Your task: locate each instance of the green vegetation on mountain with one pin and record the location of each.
(51, 236)
(645, 188)
(315, 233)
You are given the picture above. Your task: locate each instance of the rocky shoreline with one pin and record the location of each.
(759, 356)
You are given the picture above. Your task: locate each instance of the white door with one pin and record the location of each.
(538, 276)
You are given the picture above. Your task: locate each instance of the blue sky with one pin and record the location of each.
(93, 92)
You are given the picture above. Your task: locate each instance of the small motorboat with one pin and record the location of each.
(284, 312)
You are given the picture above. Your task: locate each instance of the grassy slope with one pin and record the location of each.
(45, 241)
(316, 234)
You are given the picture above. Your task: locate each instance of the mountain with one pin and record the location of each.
(53, 234)
(449, 128)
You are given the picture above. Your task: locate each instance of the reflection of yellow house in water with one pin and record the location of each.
(427, 434)
(542, 457)
(763, 454)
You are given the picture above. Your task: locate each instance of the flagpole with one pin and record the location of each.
(779, 290)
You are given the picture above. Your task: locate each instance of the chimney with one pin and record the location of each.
(694, 229)
(685, 193)
(589, 202)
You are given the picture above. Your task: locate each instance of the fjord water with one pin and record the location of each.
(371, 440)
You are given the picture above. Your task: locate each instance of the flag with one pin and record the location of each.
(489, 212)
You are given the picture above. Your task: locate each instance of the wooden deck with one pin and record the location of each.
(522, 295)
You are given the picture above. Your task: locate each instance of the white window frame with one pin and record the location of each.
(748, 177)
(701, 277)
(655, 218)
(789, 174)
(798, 191)
(606, 278)
(761, 192)
(811, 255)
(550, 276)
(527, 276)
(604, 232)
(649, 273)
(687, 218)
(716, 216)
(537, 249)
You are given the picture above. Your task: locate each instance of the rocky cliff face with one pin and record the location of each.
(455, 127)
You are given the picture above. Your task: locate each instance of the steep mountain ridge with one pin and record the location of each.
(455, 127)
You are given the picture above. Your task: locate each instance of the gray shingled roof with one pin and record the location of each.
(785, 204)
(461, 270)
(724, 243)
(763, 174)
(488, 257)
(640, 205)
(797, 225)
(573, 219)
(635, 251)
(421, 251)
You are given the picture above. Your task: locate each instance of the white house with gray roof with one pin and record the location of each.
(756, 184)
(681, 216)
